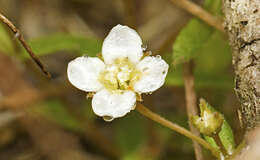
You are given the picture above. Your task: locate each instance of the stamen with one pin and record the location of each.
(119, 76)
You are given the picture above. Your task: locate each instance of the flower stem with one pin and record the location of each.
(191, 104)
(238, 150)
(157, 118)
(199, 12)
(220, 144)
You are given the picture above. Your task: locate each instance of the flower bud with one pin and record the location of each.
(209, 122)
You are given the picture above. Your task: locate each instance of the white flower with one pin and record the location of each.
(124, 73)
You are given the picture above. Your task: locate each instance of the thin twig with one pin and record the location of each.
(8, 117)
(157, 118)
(220, 144)
(20, 37)
(238, 150)
(15, 45)
(191, 104)
(199, 12)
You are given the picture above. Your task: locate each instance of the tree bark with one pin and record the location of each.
(242, 23)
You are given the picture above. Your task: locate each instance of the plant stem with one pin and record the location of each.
(199, 12)
(191, 104)
(157, 118)
(238, 150)
(20, 37)
(220, 144)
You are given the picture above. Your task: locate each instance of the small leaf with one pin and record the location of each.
(227, 137)
(194, 35)
(202, 79)
(55, 111)
(130, 133)
(131, 156)
(64, 42)
(213, 6)
(6, 44)
(225, 134)
(192, 38)
(215, 55)
(212, 63)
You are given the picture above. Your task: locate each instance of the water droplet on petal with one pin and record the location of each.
(158, 56)
(144, 47)
(145, 69)
(108, 118)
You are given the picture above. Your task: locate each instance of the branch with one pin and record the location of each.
(191, 104)
(199, 12)
(155, 117)
(242, 20)
(24, 44)
(249, 148)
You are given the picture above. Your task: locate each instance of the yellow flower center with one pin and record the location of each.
(121, 75)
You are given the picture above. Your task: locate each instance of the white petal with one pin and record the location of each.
(154, 71)
(114, 105)
(122, 41)
(83, 73)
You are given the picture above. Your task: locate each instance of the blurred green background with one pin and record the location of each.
(49, 119)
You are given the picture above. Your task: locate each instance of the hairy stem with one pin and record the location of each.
(157, 118)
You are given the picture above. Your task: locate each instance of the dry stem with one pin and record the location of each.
(199, 12)
(157, 118)
(191, 104)
(20, 37)
(220, 144)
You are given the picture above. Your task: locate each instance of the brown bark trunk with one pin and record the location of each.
(242, 22)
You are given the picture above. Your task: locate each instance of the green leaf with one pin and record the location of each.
(226, 136)
(212, 63)
(192, 38)
(131, 156)
(174, 76)
(55, 111)
(6, 44)
(64, 42)
(211, 141)
(215, 55)
(208, 48)
(202, 79)
(130, 133)
(213, 6)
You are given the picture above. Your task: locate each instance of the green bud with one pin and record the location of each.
(209, 122)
